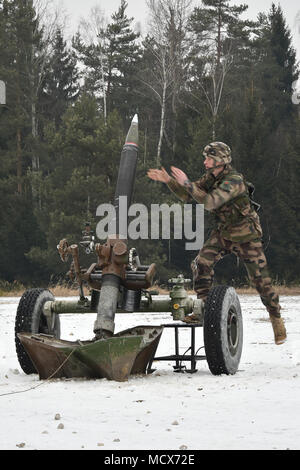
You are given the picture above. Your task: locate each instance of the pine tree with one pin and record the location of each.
(61, 86)
(111, 62)
(275, 160)
(123, 55)
(92, 56)
(86, 152)
(19, 37)
(277, 70)
(19, 233)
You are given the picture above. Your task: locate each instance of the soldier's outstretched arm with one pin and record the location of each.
(159, 175)
(180, 184)
(163, 176)
(229, 189)
(177, 185)
(179, 191)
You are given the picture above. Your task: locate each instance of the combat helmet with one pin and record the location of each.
(219, 151)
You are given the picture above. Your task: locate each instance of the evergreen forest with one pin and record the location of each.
(198, 74)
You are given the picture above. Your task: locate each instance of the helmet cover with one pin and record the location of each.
(219, 151)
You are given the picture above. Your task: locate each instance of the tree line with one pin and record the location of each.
(200, 74)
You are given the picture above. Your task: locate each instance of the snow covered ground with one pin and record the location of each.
(258, 408)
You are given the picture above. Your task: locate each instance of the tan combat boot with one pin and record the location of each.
(279, 329)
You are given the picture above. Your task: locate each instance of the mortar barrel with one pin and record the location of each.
(126, 178)
(110, 283)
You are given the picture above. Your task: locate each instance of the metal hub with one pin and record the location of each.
(232, 331)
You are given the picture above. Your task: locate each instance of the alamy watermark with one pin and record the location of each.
(136, 222)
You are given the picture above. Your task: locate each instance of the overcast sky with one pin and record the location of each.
(138, 9)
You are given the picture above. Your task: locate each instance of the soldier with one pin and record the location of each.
(224, 192)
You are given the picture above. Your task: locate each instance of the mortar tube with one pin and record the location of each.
(105, 323)
(107, 307)
(126, 178)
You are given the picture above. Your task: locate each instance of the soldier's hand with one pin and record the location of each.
(159, 175)
(179, 175)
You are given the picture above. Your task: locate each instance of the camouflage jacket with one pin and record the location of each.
(227, 197)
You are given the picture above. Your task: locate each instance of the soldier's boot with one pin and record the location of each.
(280, 335)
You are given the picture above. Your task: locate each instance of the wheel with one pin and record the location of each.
(30, 319)
(223, 330)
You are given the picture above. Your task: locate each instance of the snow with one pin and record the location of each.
(258, 408)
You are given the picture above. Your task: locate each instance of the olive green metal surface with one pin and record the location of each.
(126, 353)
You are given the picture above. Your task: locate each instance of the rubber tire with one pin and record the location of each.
(30, 319)
(223, 344)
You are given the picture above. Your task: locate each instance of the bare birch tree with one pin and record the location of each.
(215, 26)
(167, 25)
(48, 18)
(211, 82)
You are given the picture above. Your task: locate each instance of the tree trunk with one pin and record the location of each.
(219, 46)
(214, 128)
(162, 124)
(35, 158)
(174, 120)
(103, 91)
(145, 145)
(19, 161)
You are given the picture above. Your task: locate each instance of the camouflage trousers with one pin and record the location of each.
(251, 253)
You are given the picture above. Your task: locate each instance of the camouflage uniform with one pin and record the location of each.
(238, 228)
